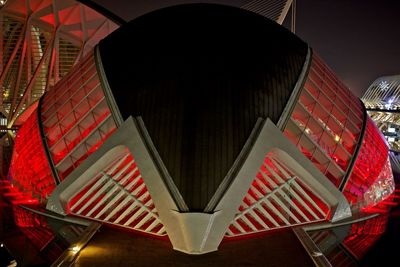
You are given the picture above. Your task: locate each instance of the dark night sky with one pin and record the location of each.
(358, 39)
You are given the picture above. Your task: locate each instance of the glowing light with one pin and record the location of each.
(75, 249)
(389, 103)
(1, 245)
(337, 138)
(384, 85)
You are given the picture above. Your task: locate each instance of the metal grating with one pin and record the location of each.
(118, 195)
(277, 199)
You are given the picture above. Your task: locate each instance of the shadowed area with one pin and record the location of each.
(111, 247)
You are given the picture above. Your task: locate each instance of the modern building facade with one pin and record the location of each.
(203, 123)
(40, 41)
(382, 102)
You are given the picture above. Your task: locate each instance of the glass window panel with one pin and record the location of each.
(50, 122)
(67, 123)
(53, 135)
(341, 158)
(315, 78)
(328, 92)
(79, 154)
(87, 124)
(95, 96)
(307, 100)
(300, 116)
(324, 101)
(65, 109)
(341, 106)
(109, 126)
(333, 127)
(59, 151)
(64, 97)
(348, 141)
(82, 108)
(327, 143)
(65, 168)
(93, 140)
(101, 111)
(334, 174)
(311, 88)
(92, 83)
(293, 132)
(352, 128)
(339, 115)
(73, 138)
(355, 120)
(314, 129)
(306, 146)
(48, 112)
(320, 160)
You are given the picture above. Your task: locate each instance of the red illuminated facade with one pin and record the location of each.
(321, 159)
(75, 116)
(30, 168)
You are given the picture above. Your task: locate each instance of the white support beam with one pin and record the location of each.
(31, 83)
(19, 71)
(50, 72)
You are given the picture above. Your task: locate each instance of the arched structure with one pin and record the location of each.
(227, 125)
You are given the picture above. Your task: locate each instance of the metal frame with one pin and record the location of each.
(56, 21)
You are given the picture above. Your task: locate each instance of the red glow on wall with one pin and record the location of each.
(29, 169)
(371, 159)
(33, 226)
(326, 122)
(364, 234)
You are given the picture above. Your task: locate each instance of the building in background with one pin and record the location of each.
(383, 105)
(233, 128)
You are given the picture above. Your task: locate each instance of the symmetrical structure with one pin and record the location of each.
(231, 128)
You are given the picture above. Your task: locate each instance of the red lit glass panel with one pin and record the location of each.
(364, 234)
(378, 196)
(326, 122)
(76, 117)
(371, 159)
(29, 169)
(33, 226)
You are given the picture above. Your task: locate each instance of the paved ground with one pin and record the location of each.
(112, 247)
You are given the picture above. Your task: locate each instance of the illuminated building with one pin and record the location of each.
(40, 42)
(225, 126)
(382, 102)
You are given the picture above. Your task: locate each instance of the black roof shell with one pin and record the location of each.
(200, 75)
